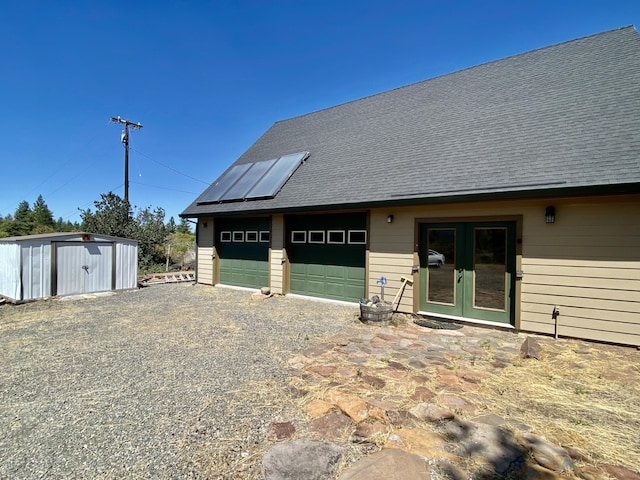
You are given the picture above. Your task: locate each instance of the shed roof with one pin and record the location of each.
(558, 119)
(62, 236)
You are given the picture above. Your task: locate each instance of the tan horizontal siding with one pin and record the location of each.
(588, 264)
(578, 251)
(573, 316)
(205, 265)
(392, 267)
(594, 304)
(606, 283)
(275, 271)
(276, 253)
(599, 270)
(626, 338)
(580, 292)
(582, 312)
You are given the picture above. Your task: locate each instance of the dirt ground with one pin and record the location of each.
(182, 381)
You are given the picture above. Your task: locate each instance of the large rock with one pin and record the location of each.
(430, 412)
(492, 446)
(301, 459)
(530, 348)
(546, 454)
(351, 405)
(619, 472)
(333, 425)
(388, 464)
(420, 442)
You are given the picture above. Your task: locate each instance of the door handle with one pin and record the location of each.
(460, 274)
(85, 268)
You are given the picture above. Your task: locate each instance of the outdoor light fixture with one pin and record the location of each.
(390, 219)
(550, 214)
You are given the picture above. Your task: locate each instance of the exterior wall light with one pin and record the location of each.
(550, 214)
(390, 219)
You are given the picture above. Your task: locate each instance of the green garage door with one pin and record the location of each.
(243, 249)
(327, 255)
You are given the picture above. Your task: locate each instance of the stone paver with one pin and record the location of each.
(409, 387)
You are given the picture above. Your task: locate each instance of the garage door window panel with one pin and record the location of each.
(316, 236)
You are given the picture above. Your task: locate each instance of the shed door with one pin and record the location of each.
(243, 248)
(327, 255)
(83, 267)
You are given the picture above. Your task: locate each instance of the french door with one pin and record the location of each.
(468, 270)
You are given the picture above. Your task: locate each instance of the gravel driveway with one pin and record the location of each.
(170, 381)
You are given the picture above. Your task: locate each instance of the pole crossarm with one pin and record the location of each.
(126, 123)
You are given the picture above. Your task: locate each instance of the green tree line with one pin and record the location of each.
(160, 245)
(29, 221)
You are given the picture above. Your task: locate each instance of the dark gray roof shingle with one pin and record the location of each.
(561, 117)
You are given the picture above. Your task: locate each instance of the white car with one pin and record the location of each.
(436, 259)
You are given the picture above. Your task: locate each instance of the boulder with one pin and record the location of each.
(308, 459)
(546, 454)
(388, 464)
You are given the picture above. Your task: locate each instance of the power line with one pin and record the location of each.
(168, 167)
(164, 188)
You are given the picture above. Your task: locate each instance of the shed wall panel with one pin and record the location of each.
(126, 265)
(36, 269)
(10, 278)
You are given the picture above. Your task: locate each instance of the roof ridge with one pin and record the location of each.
(566, 42)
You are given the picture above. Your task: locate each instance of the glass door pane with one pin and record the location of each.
(490, 268)
(441, 263)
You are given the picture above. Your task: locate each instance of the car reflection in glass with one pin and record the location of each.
(436, 259)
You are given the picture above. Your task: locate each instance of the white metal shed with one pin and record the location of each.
(41, 266)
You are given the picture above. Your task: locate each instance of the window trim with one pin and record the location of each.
(311, 232)
(262, 234)
(241, 235)
(224, 238)
(333, 242)
(293, 234)
(351, 242)
(254, 233)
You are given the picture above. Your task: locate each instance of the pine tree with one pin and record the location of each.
(42, 217)
(171, 226)
(23, 221)
(41, 213)
(183, 227)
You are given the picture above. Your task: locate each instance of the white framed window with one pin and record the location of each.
(299, 236)
(357, 237)
(238, 236)
(265, 236)
(225, 236)
(316, 236)
(251, 236)
(335, 236)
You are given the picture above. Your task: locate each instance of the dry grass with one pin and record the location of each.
(582, 395)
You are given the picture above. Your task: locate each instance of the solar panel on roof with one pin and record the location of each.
(275, 178)
(218, 189)
(262, 179)
(240, 189)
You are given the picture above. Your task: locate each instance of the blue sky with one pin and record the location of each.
(207, 78)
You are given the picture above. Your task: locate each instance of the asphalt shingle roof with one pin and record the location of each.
(561, 117)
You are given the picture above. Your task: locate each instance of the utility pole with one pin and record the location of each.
(125, 141)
